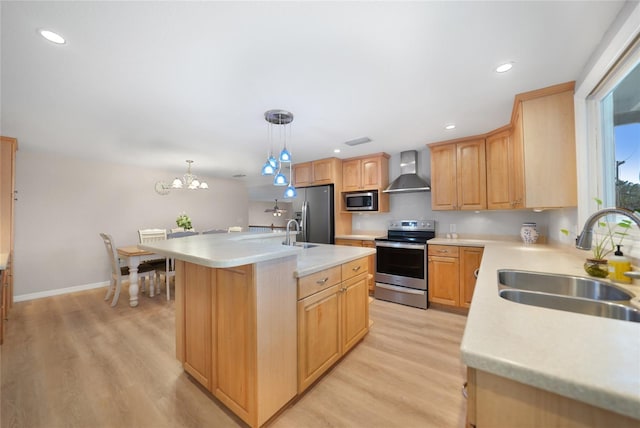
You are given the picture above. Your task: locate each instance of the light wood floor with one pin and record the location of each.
(73, 361)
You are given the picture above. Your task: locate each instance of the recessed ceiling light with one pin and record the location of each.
(450, 126)
(336, 150)
(52, 37)
(502, 68)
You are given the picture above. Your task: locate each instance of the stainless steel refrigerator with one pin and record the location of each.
(313, 208)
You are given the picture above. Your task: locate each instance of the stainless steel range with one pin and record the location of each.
(401, 262)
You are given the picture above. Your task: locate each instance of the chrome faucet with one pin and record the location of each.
(586, 237)
(287, 239)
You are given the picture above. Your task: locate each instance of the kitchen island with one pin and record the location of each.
(532, 366)
(237, 314)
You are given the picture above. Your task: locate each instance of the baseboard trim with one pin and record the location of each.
(57, 292)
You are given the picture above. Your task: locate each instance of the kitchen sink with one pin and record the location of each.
(572, 304)
(303, 245)
(565, 285)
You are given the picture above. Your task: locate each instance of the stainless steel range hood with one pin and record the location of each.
(408, 181)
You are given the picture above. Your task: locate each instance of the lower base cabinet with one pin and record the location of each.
(452, 274)
(495, 401)
(236, 334)
(372, 258)
(332, 318)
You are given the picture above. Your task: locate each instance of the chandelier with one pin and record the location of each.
(188, 181)
(274, 166)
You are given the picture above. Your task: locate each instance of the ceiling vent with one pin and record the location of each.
(358, 141)
(408, 181)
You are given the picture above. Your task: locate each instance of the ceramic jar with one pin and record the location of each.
(528, 233)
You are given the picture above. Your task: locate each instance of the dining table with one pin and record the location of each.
(133, 257)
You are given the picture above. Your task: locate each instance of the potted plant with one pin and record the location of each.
(184, 221)
(606, 237)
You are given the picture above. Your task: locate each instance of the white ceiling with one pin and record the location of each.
(155, 83)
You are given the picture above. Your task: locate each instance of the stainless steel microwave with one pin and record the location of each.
(362, 201)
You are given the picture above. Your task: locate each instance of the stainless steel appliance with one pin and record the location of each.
(401, 262)
(313, 208)
(361, 201)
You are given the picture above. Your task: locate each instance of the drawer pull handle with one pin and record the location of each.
(443, 251)
(322, 281)
(357, 268)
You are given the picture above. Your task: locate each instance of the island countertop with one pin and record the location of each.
(236, 249)
(591, 359)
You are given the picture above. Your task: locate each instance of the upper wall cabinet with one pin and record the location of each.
(530, 163)
(458, 175)
(365, 173)
(323, 171)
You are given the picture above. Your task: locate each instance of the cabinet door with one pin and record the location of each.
(302, 174)
(235, 340)
(371, 170)
(500, 171)
(443, 177)
(444, 280)
(197, 295)
(472, 176)
(323, 172)
(348, 242)
(318, 335)
(470, 259)
(351, 175)
(355, 311)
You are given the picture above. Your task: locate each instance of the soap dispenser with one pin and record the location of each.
(618, 265)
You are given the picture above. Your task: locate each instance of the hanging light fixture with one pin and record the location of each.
(273, 166)
(277, 211)
(188, 181)
(290, 191)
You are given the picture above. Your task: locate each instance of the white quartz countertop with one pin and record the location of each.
(591, 359)
(4, 260)
(363, 236)
(236, 249)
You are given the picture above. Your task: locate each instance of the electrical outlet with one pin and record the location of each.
(452, 228)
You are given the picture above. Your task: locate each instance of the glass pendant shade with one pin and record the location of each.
(273, 162)
(177, 184)
(290, 192)
(285, 156)
(268, 169)
(280, 179)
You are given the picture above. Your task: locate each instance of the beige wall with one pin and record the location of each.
(63, 204)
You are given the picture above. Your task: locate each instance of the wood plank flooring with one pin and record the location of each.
(73, 361)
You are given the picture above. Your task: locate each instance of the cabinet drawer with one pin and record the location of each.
(354, 268)
(311, 284)
(443, 250)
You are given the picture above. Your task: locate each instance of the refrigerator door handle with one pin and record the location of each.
(303, 226)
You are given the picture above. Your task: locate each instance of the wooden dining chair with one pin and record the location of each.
(153, 235)
(169, 270)
(145, 270)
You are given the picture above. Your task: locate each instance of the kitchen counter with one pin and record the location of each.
(364, 235)
(587, 358)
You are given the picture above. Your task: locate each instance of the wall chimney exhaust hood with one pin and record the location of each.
(408, 181)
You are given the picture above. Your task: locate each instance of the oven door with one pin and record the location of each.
(403, 264)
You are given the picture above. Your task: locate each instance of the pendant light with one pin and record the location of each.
(290, 191)
(273, 166)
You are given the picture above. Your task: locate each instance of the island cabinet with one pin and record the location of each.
(236, 333)
(316, 173)
(496, 401)
(372, 258)
(333, 315)
(458, 172)
(452, 274)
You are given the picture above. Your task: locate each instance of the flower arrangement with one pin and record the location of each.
(184, 221)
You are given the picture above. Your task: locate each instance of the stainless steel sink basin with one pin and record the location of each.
(303, 245)
(572, 304)
(565, 285)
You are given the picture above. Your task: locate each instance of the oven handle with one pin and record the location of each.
(404, 290)
(409, 246)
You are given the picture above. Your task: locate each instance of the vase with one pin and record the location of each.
(597, 267)
(528, 233)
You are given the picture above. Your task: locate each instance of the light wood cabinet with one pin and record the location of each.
(504, 171)
(236, 334)
(459, 175)
(316, 173)
(332, 320)
(496, 401)
(530, 163)
(365, 173)
(372, 258)
(8, 148)
(452, 274)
